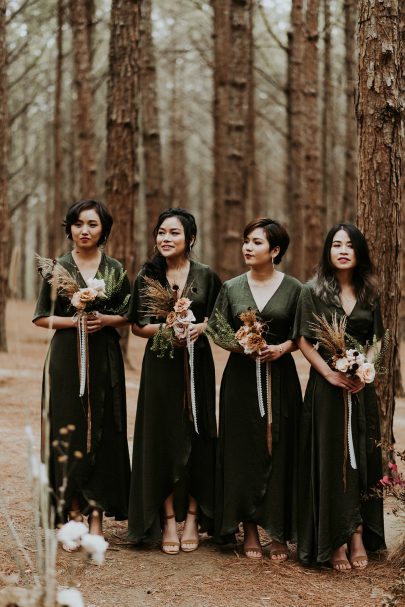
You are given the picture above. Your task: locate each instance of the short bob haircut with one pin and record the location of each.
(276, 234)
(76, 208)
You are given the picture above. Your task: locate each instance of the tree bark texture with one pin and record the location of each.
(315, 212)
(4, 215)
(55, 239)
(79, 13)
(328, 126)
(233, 123)
(122, 129)
(295, 140)
(379, 115)
(177, 176)
(350, 178)
(152, 152)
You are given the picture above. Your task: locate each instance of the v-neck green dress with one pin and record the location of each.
(102, 476)
(168, 455)
(328, 512)
(251, 484)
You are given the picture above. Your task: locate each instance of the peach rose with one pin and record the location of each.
(366, 372)
(171, 319)
(241, 333)
(77, 302)
(254, 343)
(182, 305)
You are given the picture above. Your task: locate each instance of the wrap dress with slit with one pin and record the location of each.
(168, 455)
(329, 508)
(101, 476)
(252, 484)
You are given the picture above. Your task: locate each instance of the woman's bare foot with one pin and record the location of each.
(251, 545)
(358, 556)
(339, 561)
(278, 551)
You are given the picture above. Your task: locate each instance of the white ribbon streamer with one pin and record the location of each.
(190, 347)
(352, 455)
(259, 388)
(81, 323)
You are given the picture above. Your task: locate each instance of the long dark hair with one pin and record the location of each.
(156, 267)
(73, 213)
(364, 282)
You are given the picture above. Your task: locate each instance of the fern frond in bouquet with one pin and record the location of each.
(112, 288)
(222, 333)
(378, 348)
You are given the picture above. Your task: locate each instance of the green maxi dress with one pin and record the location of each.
(328, 512)
(168, 455)
(251, 484)
(102, 476)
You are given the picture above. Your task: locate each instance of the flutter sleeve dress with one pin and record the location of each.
(330, 504)
(252, 483)
(168, 454)
(99, 472)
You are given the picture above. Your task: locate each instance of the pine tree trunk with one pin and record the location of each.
(379, 181)
(82, 55)
(295, 140)
(58, 184)
(330, 205)
(152, 152)
(350, 179)
(177, 177)
(122, 129)
(233, 124)
(314, 216)
(4, 215)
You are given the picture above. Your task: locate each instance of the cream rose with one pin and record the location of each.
(98, 285)
(342, 365)
(77, 302)
(366, 372)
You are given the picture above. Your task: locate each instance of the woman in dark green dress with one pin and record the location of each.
(331, 513)
(255, 475)
(173, 465)
(97, 462)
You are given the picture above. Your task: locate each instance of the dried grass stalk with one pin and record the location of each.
(158, 300)
(331, 335)
(58, 277)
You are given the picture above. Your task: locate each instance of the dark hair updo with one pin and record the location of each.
(156, 267)
(327, 286)
(276, 234)
(73, 214)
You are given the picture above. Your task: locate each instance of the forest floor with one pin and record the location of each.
(132, 577)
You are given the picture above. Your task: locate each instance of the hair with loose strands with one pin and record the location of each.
(156, 267)
(276, 234)
(327, 286)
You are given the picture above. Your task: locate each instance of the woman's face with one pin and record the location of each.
(87, 230)
(342, 255)
(170, 239)
(256, 249)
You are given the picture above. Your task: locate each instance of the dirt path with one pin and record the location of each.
(133, 577)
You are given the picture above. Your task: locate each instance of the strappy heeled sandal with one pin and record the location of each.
(190, 545)
(170, 547)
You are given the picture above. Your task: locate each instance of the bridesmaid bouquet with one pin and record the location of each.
(353, 362)
(163, 302)
(250, 334)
